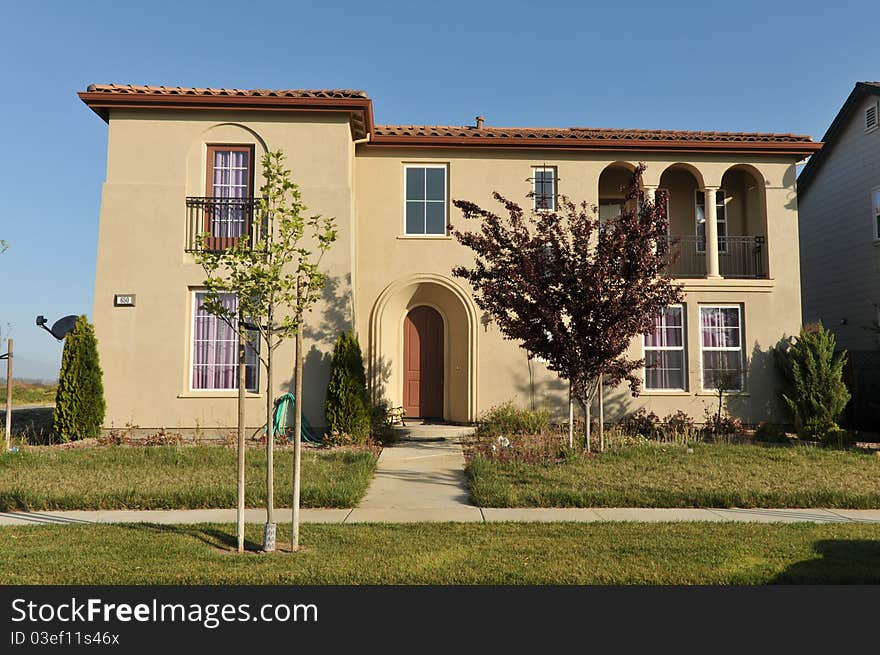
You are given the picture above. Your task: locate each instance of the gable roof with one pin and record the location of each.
(859, 92)
(101, 98)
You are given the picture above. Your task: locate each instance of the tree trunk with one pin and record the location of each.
(570, 418)
(269, 532)
(601, 416)
(297, 425)
(587, 426)
(242, 383)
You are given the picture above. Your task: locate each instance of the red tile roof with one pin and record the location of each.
(132, 89)
(104, 97)
(583, 133)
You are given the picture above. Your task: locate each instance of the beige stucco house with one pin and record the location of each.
(839, 191)
(182, 161)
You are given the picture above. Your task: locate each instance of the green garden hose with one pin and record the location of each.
(280, 426)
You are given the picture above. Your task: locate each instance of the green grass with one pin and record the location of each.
(170, 477)
(430, 553)
(715, 475)
(28, 393)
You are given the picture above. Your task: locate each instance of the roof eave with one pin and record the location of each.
(801, 149)
(830, 137)
(101, 103)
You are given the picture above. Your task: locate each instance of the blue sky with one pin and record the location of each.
(754, 66)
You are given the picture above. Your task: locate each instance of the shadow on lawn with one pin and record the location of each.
(213, 537)
(842, 562)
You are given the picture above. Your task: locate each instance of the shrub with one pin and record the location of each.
(678, 426)
(770, 433)
(506, 419)
(725, 424)
(380, 428)
(641, 423)
(816, 394)
(347, 408)
(79, 401)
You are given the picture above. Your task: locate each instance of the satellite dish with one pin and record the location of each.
(61, 327)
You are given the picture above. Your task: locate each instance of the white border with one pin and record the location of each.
(741, 349)
(192, 355)
(684, 357)
(544, 169)
(426, 235)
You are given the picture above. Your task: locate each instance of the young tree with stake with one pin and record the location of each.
(571, 289)
(275, 275)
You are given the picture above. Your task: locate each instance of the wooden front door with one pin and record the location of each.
(423, 363)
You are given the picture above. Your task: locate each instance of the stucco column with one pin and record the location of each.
(711, 215)
(649, 192)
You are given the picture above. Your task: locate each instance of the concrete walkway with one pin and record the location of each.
(467, 515)
(419, 478)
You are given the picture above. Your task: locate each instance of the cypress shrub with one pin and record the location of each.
(79, 402)
(347, 407)
(816, 395)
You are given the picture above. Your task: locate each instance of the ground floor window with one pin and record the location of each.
(664, 351)
(215, 349)
(721, 341)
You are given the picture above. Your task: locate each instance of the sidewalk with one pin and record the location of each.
(468, 515)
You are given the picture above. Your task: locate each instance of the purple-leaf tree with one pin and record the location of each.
(571, 289)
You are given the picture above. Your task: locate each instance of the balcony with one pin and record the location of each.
(224, 220)
(739, 257)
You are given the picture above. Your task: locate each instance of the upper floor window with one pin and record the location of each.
(721, 343)
(875, 201)
(215, 349)
(425, 199)
(229, 186)
(544, 181)
(664, 351)
(721, 214)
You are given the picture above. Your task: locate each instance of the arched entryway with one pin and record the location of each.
(432, 307)
(423, 360)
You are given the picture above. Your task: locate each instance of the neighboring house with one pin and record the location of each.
(839, 204)
(182, 161)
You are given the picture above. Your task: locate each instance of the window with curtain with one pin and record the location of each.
(425, 200)
(665, 351)
(721, 213)
(215, 349)
(721, 341)
(544, 181)
(230, 182)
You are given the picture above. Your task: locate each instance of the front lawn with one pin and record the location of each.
(431, 553)
(173, 477)
(714, 475)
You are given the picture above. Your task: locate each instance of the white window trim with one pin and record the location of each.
(875, 212)
(544, 169)
(425, 235)
(722, 245)
(191, 390)
(682, 348)
(742, 381)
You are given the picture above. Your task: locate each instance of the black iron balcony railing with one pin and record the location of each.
(738, 257)
(225, 221)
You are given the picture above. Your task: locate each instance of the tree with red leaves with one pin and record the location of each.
(571, 289)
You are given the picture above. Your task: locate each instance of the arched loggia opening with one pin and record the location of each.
(742, 249)
(684, 196)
